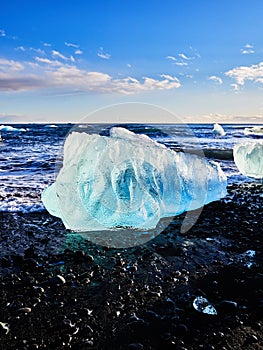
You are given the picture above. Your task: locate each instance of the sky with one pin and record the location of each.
(200, 60)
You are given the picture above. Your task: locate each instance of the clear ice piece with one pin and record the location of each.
(248, 157)
(128, 181)
(201, 304)
(218, 130)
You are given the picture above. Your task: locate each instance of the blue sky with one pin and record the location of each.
(62, 60)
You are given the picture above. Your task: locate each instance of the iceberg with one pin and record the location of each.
(127, 180)
(218, 130)
(248, 157)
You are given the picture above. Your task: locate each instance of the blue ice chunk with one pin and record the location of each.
(248, 157)
(128, 180)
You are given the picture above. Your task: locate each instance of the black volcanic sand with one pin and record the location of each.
(59, 291)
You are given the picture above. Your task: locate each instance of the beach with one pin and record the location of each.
(61, 291)
(131, 175)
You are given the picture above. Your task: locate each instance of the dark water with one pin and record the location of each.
(30, 155)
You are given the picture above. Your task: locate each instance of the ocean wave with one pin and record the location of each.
(222, 154)
(254, 131)
(21, 207)
(29, 161)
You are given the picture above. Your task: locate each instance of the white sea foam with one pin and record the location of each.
(11, 128)
(51, 126)
(254, 131)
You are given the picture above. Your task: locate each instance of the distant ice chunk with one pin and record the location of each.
(254, 131)
(50, 126)
(248, 157)
(10, 128)
(218, 130)
(128, 181)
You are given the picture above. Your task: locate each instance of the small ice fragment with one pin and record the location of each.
(248, 157)
(201, 304)
(250, 253)
(218, 130)
(247, 258)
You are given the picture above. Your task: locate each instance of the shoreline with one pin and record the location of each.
(62, 291)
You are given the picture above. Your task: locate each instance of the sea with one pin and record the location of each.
(32, 154)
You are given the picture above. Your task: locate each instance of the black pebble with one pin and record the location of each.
(135, 346)
(227, 306)
(251, 339)
(181, 330)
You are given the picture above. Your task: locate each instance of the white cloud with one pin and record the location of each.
(58, 54)
(61, 56)
(216, 79)
(11, 65)
(181, 63)
(235, 87)
(248, 49)
(251, 73)
(131, 85)
(48, 61)
(103, 55)
(129, 65)
(14, 82)
(47, 44)
(2, 32)
(72, 77)
(171, 58)
(183, 56)
(78, 52)
(189, 76)
(71, 45)
(11, 118)
(39, 51)
(69, 78)
(195, 52)
(20, 48)
(33, 65)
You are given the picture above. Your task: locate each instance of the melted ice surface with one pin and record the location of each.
(128, 180)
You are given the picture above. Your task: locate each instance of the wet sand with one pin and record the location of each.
(60, 291)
